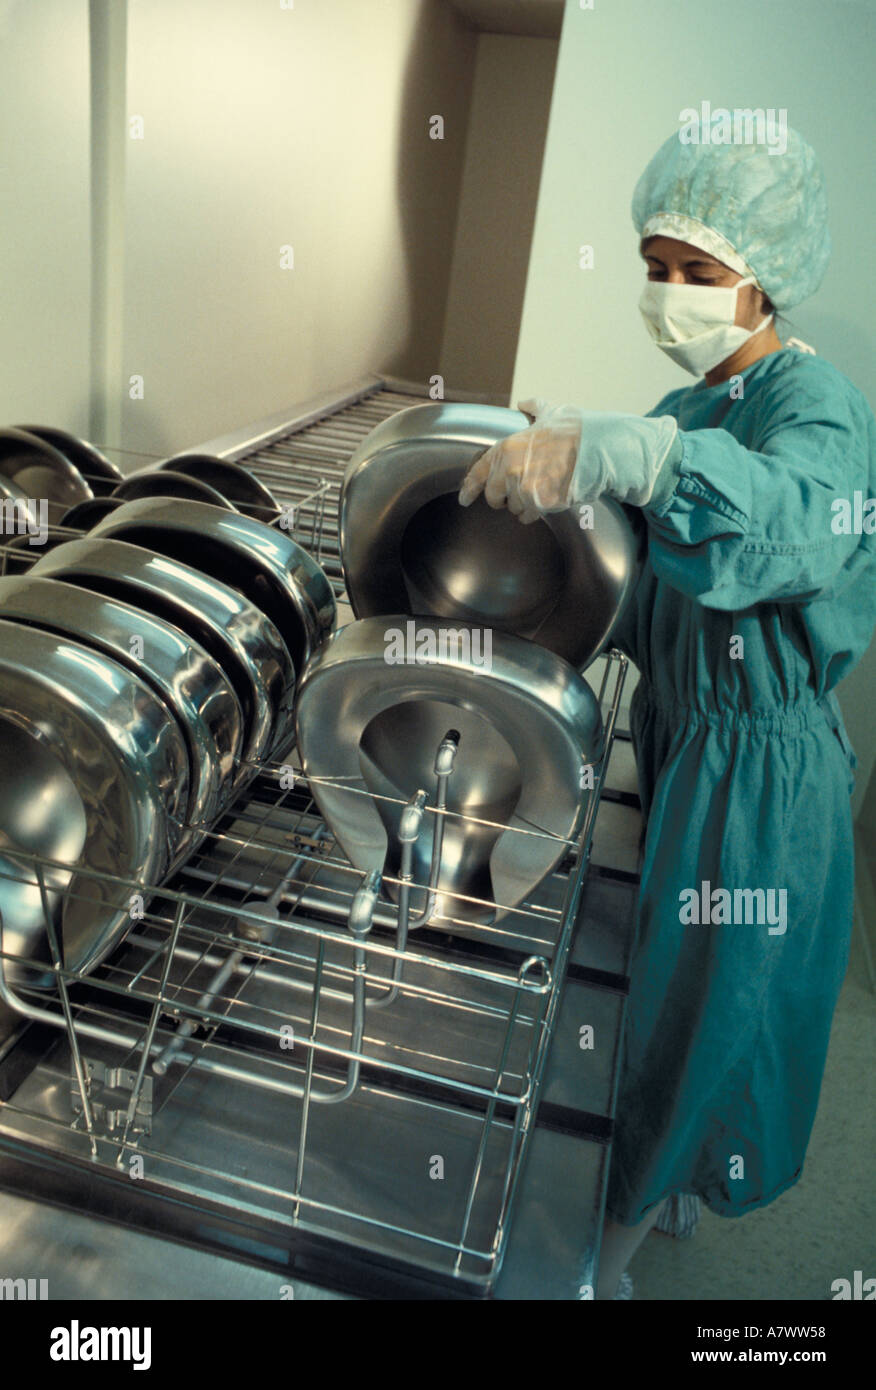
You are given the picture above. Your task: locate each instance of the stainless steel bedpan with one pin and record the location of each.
(95, 775)
(87, 514)
(192, 685)
(42, 472)
(97, 470)
(408, 546)
(19, 555)
(20, 515)
(264, 564)
(234, 482)
(233, 631)
(369, 729)
(161, 482)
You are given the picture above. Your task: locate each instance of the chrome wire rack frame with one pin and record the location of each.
(273, 1035)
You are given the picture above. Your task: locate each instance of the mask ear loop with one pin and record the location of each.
(752, 280)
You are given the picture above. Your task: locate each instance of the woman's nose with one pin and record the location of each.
(675, 277)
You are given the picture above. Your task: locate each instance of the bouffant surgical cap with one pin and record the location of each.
(759, 206)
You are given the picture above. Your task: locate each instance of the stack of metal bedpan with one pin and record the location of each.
(148, 668)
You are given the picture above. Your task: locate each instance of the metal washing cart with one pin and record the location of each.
(278, 1064)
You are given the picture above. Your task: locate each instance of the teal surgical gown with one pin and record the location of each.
(756, 597)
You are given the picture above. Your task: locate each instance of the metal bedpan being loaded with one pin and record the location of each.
(264, 564)
(374, 706)
(232, 630)
(408, 546)
(192, 685)
(100, 778)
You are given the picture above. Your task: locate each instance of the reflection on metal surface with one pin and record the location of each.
(160, 482)
(235, 633)
(41, 472)
(237, 484)
(19, 553)
(263, 563)
(23, 514)
(409, 547)
(87, 514)
(86, 1260)
(368, 732)
(97, 470)
(101, 783)
(190, 683)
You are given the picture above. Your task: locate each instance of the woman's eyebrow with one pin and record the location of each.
(694, 260)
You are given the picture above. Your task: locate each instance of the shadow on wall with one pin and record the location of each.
(438, 81)
(468, 201)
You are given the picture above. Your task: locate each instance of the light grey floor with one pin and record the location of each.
(822, 1229)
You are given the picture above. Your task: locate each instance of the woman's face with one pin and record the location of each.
(679, 263)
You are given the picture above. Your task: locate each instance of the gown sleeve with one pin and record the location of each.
(733, 526)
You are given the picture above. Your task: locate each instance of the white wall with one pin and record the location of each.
(262, 126)
(266, 127)
(624, 73)
(44, 212)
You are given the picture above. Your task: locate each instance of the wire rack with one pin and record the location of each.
(279, 1036)
(306, 469)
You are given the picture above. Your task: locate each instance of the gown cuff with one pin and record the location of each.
(668, 478)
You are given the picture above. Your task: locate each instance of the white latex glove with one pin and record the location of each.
(570, 456)
(623, 456)
(529, 472)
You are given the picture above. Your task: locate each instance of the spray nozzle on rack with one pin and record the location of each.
(447, 751)
(364, 903)
(412, 819)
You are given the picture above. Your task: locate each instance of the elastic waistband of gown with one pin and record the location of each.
(795, 717)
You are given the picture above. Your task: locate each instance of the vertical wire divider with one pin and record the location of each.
(569, 919)
(57, 960)
(308, 1080)
(149, 1034)
(491, 1104)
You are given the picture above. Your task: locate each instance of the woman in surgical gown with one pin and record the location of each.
(757, 595)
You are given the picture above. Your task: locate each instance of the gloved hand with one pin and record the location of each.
(570, 456)
(529, 472)
(627, 456)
